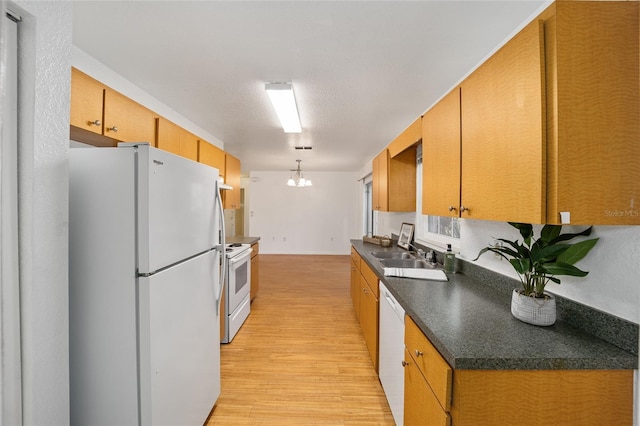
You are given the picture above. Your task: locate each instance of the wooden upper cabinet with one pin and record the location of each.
(409, 137)
(212, 155)
(503, 133)
(189, 145)
(549, 124)
(592, 59)
(232, 177)
(168, 136)
(102, 111)
(441, 157)
(380, 179)
(394, 181)
(175, 139)
(87, 99)
(126, 120)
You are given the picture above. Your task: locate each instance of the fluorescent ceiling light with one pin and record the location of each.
(284, 102)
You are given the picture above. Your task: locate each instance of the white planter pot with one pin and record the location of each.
(541, 311)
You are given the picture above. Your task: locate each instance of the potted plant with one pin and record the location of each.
(538, 261)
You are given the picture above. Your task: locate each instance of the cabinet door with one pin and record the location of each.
(255, 271)
(503, 133)
(409, 137)
(232, 177)
(356, 289)
(380, 188)
(212, 156)
(369, 320)
(401, 181)
(420, 404)
(168, 136)
(126, 120)
(433, 367)
(188, 145)
(594, 127)
(441, 157)
(173, 138)
(87, 97)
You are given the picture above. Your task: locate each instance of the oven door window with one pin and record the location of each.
(241, 276)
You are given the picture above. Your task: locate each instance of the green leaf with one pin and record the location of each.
(554, 279)
(567, 237)
(577, 251)
(520, 265)
(560, 268)
(526, 230)
(549, 232)
(548, 253)
(519, 250)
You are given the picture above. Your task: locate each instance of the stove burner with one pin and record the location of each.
(235, 245)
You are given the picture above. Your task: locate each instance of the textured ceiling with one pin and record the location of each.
(362, 70)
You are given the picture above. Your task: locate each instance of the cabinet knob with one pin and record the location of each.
(404, 363)
(95, 123)
(452, 209)
(113, 129)
(464, 209)
(419, 353)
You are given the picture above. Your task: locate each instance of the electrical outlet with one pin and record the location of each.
(497, 244)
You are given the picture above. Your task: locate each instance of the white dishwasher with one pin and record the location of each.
(391, 341)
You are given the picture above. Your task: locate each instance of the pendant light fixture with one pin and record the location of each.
(297, 179)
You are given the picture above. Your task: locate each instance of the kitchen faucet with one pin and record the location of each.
(421, 253)
(429, 256)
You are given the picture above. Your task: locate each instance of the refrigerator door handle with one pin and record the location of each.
(221, 247)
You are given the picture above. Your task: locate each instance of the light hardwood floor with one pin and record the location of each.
(300, 358)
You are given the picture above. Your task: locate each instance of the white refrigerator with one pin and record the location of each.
(146, 238)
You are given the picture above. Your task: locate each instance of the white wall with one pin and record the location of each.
(313, 220)
(43, 133)
(386, 223)
(613, 283)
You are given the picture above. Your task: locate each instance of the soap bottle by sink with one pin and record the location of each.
(449, 260)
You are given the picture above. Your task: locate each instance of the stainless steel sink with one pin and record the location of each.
(391, 255)
(407, 263)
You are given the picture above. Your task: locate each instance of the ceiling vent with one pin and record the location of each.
(303, 148)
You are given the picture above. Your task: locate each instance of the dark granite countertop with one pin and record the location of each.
(472, 327)
(242, 240)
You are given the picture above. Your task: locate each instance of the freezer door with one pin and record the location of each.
(180, 343)
(177, 215)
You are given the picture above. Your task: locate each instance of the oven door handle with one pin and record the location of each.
(241, 257)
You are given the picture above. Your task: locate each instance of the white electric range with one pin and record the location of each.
(237, 302)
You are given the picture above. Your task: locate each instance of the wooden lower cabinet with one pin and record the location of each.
(255, 270)
(369, 305)
(365, 295)
(435, 394)
(421, 406)
(355, 287)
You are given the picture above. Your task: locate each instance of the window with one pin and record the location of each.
(368, 205)
(438, 230)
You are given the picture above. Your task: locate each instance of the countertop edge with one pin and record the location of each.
(242, 240)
